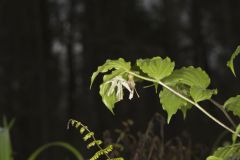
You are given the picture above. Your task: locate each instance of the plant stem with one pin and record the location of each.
(221, 107)
(188, 100)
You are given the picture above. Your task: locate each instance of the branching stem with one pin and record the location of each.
(221, 107)
(187, 99)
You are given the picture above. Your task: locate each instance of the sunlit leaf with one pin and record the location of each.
(230, 62)
(214, 158)
(171, 103)
(108, 100)
(156, 67)
(231, 152)
(235, 135)
(199, 94)
(190, 76)
(109, 65)
(233, 104)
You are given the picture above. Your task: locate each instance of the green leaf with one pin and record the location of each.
(233, 104)
(185, 108)
(109, 65)
(214, 158)
(231, 152)
(190, 76)
(156, 67)
(171, 103)
(235, 135)
(199, 94)
(113, 74)
(108, 100)
(230, 62)
(5, 144)
(64, 145)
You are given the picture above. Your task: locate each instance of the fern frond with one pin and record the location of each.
(95, 142)
(102, 152)
(88, 136)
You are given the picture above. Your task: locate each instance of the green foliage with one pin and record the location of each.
(112, 88)
(199, 94)
(171, 103)
(233, 104)
(156, 67)
(231, 152)
(89, 136)
(234, 135)
(182, 89)
(190, 76)
(189, 81)
(230, 62)
(109, 97)
(119, 64)
(214, 158)
(64, 145)
(5, 143)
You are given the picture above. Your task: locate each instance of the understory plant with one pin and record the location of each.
(181, 89)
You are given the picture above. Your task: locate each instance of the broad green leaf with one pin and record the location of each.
(199, 94)
(235, 135)
(108, 100)
(64, 145)
(156, 67)
(171, 103)
(109, 65)
(230, 62)
(233, 104)
(190, 76)
(231, 152)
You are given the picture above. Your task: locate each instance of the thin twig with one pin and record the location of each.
(221, 107)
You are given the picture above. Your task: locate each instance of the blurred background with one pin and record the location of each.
(50, 48)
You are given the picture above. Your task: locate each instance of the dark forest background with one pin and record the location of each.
(49, 48)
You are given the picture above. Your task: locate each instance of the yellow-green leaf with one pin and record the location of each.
(109, 65)
(230, 62)
(190, 76)
(156, 67)
(233, 104)
(199, 94)
(171, 103)
(231, 152)
(235, 135)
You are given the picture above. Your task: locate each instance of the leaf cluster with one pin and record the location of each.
(189, 81)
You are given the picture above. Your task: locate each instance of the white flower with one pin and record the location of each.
(119, 82)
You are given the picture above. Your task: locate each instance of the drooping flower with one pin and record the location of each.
(118, 83)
